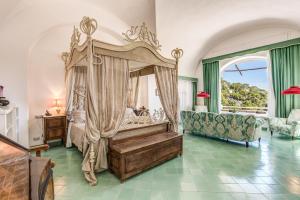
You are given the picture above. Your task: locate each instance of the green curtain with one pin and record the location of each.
(285, 64)
(194, 94)
(211, 84)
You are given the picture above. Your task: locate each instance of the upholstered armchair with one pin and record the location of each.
(286, 126)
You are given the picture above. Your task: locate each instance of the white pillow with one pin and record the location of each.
(294, 116)
(78, 116)
(128, 113)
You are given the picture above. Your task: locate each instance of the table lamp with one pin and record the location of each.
(57, 105)
(291, 90)
(203, 95)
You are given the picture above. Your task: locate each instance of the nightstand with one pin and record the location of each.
(55, 127)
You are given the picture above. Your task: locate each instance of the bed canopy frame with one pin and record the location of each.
(93, 56)
(142, 47)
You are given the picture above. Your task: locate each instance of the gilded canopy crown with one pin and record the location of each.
(65, 56)
(177, 53)
(75, 38)
(141, 33)
(88, 25)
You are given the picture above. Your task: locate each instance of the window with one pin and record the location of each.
(185, 92)
(245, 86)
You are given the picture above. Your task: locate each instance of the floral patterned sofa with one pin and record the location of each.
(286, 126)
(226, 126)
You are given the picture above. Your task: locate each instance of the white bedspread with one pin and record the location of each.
(76, 134)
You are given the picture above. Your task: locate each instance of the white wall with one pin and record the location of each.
(199, 26)
(258, 37)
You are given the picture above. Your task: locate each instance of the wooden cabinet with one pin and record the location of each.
(55, 128)
(9, 121)
(22, 176)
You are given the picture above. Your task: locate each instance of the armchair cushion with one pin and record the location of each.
(295, 123)
(294, 116)
(276, 122)
(289, 126)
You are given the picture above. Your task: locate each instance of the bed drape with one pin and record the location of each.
(75, 94)
(167, 83)
(106, 97)
(69, 81)
(134, 84)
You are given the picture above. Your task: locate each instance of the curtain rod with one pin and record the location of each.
(277, 45)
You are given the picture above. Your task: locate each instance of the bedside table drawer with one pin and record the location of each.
(55, 127)
(55, 122)
(55, 133)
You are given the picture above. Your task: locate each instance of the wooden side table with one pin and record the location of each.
(55, 127)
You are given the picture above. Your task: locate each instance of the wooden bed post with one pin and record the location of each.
(177, 53)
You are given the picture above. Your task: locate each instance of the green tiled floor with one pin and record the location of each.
(208, 169)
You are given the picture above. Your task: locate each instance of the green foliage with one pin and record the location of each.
(244, 95)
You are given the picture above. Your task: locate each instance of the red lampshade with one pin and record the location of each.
(203, 95)
(291, 90)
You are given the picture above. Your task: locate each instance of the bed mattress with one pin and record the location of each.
(77, 133)
(78, 129)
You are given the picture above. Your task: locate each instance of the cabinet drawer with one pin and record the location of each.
(168, 148)
(139, 160)
(55, 133)
(55, 122)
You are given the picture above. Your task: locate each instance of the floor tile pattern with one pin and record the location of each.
(208, 169)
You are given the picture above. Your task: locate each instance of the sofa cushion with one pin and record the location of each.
(234, 126)
(186, 118)
(209, 123)
(220, 125)
(197, 126)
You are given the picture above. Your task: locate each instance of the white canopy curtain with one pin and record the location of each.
(106, 79)
(107, 89)
(167, 83)
(134, 84)
(75, 94)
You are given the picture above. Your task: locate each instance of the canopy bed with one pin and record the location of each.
(101, 85)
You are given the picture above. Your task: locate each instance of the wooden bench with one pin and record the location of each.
(133, 151)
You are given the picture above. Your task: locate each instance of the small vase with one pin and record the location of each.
(1, 90)
(3, 101)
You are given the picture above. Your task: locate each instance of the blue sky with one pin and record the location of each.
(257, 78)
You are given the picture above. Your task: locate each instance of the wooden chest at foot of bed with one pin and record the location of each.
(134, 155)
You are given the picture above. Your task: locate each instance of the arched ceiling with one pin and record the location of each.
(198, 26)
(37, 16)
